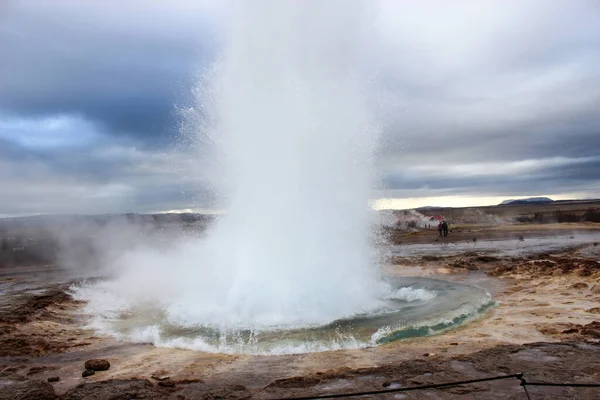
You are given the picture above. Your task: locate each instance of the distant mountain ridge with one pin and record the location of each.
(529, 200)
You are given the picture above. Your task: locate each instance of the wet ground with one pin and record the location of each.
(547, 325)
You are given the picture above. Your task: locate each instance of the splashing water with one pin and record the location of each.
(284, 112)
(294, 149)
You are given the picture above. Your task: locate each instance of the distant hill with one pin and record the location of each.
(530, 200)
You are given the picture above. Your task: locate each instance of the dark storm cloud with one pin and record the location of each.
(474, 98)
(98, 178)
(88, 92)
(492, 178)
(574, 137)
(482, 86)
(83, 59)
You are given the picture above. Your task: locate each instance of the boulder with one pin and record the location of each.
(88, 372)
(97, 364)
(160, 375)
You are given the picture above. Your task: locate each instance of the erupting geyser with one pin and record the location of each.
(294, 145)
(284, 113)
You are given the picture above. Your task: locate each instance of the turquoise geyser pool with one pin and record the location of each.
(413, 307)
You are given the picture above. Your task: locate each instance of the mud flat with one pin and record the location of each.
(546, 325)
(466, 233)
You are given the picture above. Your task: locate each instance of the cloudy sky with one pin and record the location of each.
(482, 101)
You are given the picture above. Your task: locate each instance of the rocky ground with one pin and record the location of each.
(547, 326)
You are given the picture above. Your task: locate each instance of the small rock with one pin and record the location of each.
(595, 289)
(187, 381)
(161, 375)
(485, 259)
(595, 244)
(166, 383)
(521, 238)
(54, 379)
(474, 239)
(570, 330)
(386, 384)
(88, 372)
(454, 344)
(97, 364)
(579, 286)
(595, 310)
(571, 237)
(427, 355)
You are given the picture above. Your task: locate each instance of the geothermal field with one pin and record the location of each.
(297, 287)
(521, 298)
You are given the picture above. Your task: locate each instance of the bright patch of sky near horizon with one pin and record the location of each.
(479, 101)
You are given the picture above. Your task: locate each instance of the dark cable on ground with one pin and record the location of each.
(403, 389)
(519, 376)
(524, 386)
